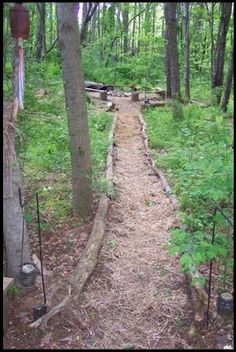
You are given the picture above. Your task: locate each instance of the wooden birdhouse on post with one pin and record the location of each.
(20, 29)
(19, 21)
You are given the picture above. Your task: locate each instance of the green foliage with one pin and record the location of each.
(43, 144)
(196, 155)
(14, 291)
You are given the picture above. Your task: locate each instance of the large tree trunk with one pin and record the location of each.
(12, 211)
(225, 99)
(186, 51)
(70, 49)
(218, 76)
(41, 32)
(172, 49)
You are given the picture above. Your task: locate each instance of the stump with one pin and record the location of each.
(134, 96)
(103, 95)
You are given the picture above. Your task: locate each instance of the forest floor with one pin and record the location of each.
(137, 297)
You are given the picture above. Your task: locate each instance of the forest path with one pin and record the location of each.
(136, 296)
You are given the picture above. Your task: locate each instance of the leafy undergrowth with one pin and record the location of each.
(44, 155)
(196, 156)
(44, 150)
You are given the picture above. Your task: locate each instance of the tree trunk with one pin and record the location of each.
(218, 76)
(172, 50)
(168, 73)
(93, 29)
(41, 32)
(70, 49)
(88, 12)
(139, 29)
(126, 27)
(225, 99)
(12, 212)
(186, 51)
(134, 27)
(51, 24)
(83, 31)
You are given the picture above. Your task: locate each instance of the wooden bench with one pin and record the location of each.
(7, 283)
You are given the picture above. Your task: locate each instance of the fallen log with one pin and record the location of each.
(99, 86)
(94, 85)
(197, 294)
(65, 293)
(152, 104)
(158, 172)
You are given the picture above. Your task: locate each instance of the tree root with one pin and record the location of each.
(45, 318)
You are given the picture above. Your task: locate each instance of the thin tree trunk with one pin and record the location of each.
(172, 49)
(139, 29)
(93, 27)
(134, 27)
(126, 27)
(218, 76)
(70, 49)
(212, 44)
(51, 24)
(186, 51)
(225, 99)
(41, 32)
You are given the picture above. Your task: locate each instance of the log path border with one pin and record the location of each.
(198, 295)
(87, 263)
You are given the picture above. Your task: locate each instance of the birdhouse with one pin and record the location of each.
(19, 21)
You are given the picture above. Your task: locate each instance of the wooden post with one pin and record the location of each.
(134, 96)
(103, 95)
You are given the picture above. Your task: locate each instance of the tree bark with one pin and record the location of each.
(41, 32)
(218, 76)
(88, 13)
(211, 25)
(51, 24)
(126, 27)
(70, 49)
(225, 99)
(186, 51)
(134, 27)
(172, 50)
(12, 212)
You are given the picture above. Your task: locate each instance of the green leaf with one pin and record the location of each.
(219, 119)
(198, 257)
(28, 218)
(173, 250)
(186, 260)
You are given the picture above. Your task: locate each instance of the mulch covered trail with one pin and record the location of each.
(136, 297)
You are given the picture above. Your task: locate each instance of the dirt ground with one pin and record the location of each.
(136, 298)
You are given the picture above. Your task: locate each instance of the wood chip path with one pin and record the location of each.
(136, 298)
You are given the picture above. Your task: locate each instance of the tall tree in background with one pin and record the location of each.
(218, 76)
(41, 38)
(172, 50)
(125, 14)
(88, 12)
(211, 24)
(69, 41)
(225, 99)
(186, 50)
